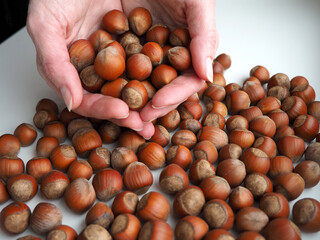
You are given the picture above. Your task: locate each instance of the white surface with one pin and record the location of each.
(283, 36)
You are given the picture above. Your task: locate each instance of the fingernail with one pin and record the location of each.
(147, 138)
(154, 107)
(209, 69)
(148, 121)
(137, 130)
(124, 116)
(67, 98)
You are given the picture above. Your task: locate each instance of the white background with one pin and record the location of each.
(283, 35)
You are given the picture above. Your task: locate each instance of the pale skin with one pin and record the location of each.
(54, 24)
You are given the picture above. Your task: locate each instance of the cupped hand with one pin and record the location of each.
(199, 18)
(54, 25)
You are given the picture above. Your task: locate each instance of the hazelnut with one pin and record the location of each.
(153, 206)
(26, 133)
(134, 94)
(192, 227)
(261, 73)
(179, 155)
(158, 33)
(109, 63)
(281, 228)
(251, 219)
(125, 202)
(139, 66)
(99, 158)
(79, 195)
(107, 183)
(15, 217)
(305, 214)
(218, 214)
(100, 214)
(137, 177)
(125, 226)
(9, 145)
(156, 229)
(115, 22)
(54, 184)
(275, 205)
(173, 178)
(45, 217)
(215, 187)
(81, 54)
(140, 20)
(94, 231)
(188, 201)
(240, 197)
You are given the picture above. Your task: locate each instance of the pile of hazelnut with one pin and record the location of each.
(233, 161)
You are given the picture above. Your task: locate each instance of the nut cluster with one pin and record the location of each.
(240, 145)
(141, 58)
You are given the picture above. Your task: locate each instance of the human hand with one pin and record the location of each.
(199, 18)
(53, 26)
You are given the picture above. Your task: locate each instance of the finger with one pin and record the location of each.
(53, 58)
(178, 90)
(147, 131)
(204, 37)
(132, 121)
(102, 107)
(149, 113)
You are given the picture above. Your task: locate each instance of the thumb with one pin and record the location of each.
(54, 64)
(204, 37)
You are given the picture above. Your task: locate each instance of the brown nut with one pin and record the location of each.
(190, 226)
(251, 219)
(100, 214)
(125, 202)
(15, 217)
(107, 183)
(215, 187)
(218, 214)
(158, 33)
(156, 229)
(309, 171)
(115, 22)
(275, 205)
(290, 185)
(45, 217)
(188, 201)
(125, 226)
(153, 206)
(137, 177)
(185, 138)
(9, 145)
(139, 66)
(240, 197)
(26, 133)
(261, 73)
(152, 154)
(54, 184)
(305, 214)
(173, 178)
(233, 170)
(281, 228)
(215, 135)
(79, 195)
(205, 150)
(121, 157)
(258, 184)
(140, 20)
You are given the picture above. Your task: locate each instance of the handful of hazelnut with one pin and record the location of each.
(134, 64)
